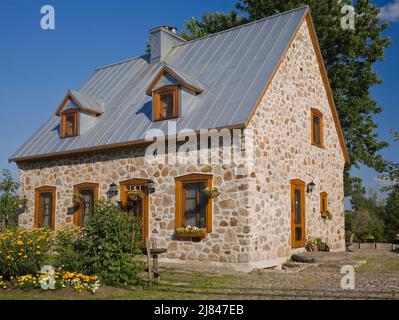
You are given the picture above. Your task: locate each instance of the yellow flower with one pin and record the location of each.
(20, 243)
(38, 253)
(20, 254)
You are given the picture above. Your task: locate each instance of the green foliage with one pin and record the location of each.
(23, 252)
(9, 201)
(68, 249)
(110, 246)
(349, 56)
(391, 214)
(366, 218)
(211, 23)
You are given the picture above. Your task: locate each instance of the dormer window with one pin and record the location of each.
(166, 103)
(70, 124)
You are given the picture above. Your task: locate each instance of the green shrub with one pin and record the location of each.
(24, 251)
(67, 248)
(110, 246)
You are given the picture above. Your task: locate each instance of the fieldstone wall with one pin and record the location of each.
(229, 241)
(283, 152)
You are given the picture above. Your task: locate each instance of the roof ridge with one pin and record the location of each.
(120, 62)
(244, 25)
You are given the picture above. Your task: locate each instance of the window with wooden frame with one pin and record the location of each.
(323, 203)
(45, 202)
(166, 103)
(317, 134)
(70, 124)
(193, 207)
(88, 193)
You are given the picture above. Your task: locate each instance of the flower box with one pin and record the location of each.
(191, 232)
(191, 235)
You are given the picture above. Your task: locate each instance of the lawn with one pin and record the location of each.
(376, 279)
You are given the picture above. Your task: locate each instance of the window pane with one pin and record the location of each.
(298, 207)
(70, 125)
(167, 105)
(46, 200)
(298, 234)
(87, 206)
(316, 130)
(195, 205)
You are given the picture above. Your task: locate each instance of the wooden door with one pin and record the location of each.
(138, 207)
(298, 225)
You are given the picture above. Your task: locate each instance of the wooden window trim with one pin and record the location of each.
(64, 115)
(192, 178)
(318, 114)
(297, 183)
(146, 202)
(77, 189)
(323, 198)
(38, 191)
(157, 94)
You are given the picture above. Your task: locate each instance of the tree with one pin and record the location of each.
(349, 56)
(211, 23)
(391, 214)
(9, 200)
(366, 217)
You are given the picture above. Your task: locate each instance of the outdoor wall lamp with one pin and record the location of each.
(310, 187)
(151, 186)
(113, 189)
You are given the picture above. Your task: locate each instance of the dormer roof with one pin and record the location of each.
(81, 101)
(169, 75)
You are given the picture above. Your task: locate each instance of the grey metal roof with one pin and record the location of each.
(89, 102)
(233, 67)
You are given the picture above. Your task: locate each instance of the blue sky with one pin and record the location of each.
(37, 67)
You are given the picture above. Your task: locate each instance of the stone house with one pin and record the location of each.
(265, 79)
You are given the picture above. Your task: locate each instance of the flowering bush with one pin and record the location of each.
(67, 249)
(194, 231)
(23, 251)
(3, 284)
(110, 246)
(78, 282)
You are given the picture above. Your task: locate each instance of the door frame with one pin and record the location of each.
(77, 190)
(298, 184)
(123, 199)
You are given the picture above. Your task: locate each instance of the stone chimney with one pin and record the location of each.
(163, 39)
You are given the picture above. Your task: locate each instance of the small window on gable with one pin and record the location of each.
(317, 128)
(323, 203)
(166, 103)
(70, 124)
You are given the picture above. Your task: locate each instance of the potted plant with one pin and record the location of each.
(211, 193)
(312, 246)
(327, 214)
(135, 195)
(23, 201)
(76, 200)
(191, 232)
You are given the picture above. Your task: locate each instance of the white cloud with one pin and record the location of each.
(390, 11)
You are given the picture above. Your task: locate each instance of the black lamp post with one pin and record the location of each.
(310, 187)
(150, 186)
(113, 189)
